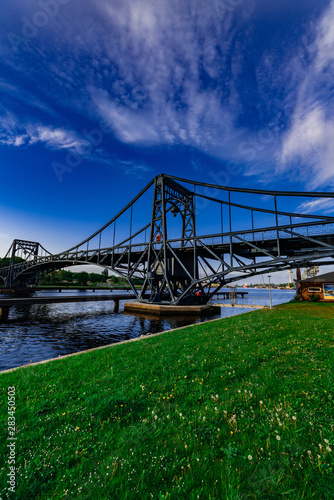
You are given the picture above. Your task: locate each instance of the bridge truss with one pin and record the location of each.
(198, 237)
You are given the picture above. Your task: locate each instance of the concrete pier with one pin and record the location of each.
(4, 313)
(166, 310)
(5, 304)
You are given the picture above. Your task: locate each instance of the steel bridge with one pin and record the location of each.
(197, 238)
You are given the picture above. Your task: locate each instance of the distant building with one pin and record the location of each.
(320, 287)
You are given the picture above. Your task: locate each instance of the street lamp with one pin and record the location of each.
(271, 305)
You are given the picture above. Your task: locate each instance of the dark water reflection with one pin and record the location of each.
(40, 332)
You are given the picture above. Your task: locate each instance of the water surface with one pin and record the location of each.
(40, 332)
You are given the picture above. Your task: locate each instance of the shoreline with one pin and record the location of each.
(142, 337)
(212, 404)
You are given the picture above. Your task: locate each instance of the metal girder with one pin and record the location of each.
(167, 275)
(28, 251)
(170, 266)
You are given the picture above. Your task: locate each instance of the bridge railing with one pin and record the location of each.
(260, 234)
(286, 231)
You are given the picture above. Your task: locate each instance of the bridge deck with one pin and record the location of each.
(60, 288)
(28, 301)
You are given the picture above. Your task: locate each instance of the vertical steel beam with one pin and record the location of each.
(222, 222)
(164, 239)
(98, 259)
(130, 244)
(150, 243)
(113, 245)
(11, 276)
(277, 230)
(194, 240)
(230, 220)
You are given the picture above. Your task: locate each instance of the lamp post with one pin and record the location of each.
(271, 305)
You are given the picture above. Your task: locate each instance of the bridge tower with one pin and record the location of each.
(170, 274)
(27, 249)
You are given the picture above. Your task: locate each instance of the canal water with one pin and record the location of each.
(40, 332)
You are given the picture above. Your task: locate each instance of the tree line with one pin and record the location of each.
(63, 277)
(5, 262)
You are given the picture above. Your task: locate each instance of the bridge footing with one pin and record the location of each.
(163, 310)
(4, 311)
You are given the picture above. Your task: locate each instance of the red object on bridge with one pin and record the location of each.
(158, 237)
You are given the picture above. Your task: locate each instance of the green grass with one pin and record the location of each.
(241, 408)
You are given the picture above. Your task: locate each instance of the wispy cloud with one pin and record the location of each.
(13, 133)
(323, 205)
(170, 73)
(154, 71)
(309, 142)
(135, 168)
(158, 96)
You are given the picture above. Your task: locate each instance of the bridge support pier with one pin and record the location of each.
(166, 310)
(116, 305)
(4, 311)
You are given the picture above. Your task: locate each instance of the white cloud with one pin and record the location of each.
(311, 140)
(58, 138)
(325, 40)
(309, 143)
(128, 126)
(162, 50)
(135, 169)
(165, 72)
(14, 133)
(320, 205)
(139, 65)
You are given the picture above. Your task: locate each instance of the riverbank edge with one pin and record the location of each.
(142, 337)
(212, 398)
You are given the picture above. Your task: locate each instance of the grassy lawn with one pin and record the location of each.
(240, 408)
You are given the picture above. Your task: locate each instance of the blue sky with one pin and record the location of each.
(98, 97)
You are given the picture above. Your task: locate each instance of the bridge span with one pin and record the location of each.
(199, 237)
(6, 304)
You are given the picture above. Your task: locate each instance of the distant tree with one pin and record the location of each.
(6, 261)
(82, 278)
(105, 275)
(61, 275)
(67, 276)
(95, 278)
(138, 281)
(48, 279)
